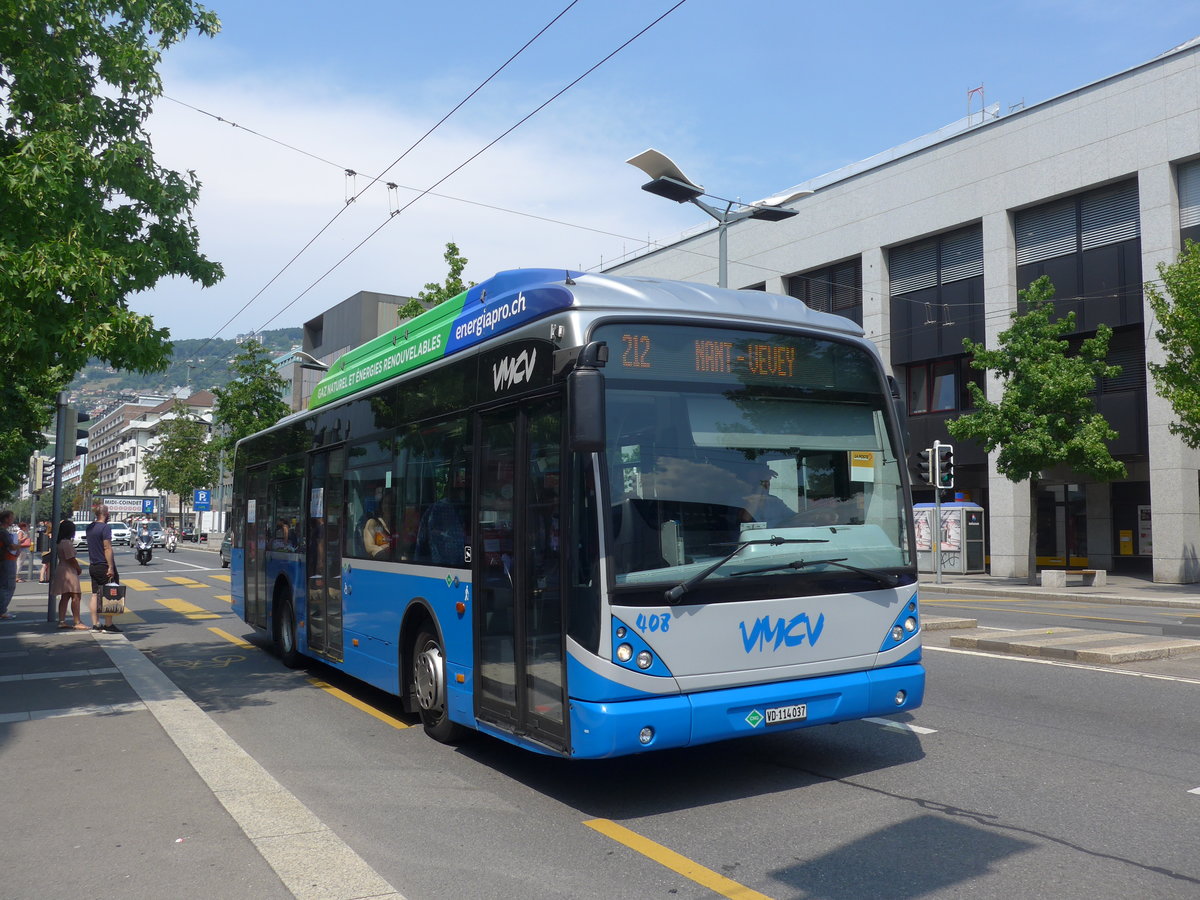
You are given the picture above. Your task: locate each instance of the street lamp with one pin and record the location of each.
(670, 182)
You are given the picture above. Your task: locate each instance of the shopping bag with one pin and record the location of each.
(112, 600)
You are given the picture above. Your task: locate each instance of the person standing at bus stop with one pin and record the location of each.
(9, 551)
(101, 565)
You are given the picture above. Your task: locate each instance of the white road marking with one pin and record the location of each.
(901, 726)
(93, 710)
(1064, 665)
(66, 673)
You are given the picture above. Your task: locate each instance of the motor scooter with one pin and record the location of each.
(145, 548)
(170, 543)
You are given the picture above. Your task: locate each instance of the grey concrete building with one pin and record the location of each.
(930, 242)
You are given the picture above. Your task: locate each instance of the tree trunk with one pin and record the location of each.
(1032, 560)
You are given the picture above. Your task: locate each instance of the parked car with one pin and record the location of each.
(189, 534)
(226, 549)
(120, 533)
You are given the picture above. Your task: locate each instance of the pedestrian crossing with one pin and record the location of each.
(175, 604)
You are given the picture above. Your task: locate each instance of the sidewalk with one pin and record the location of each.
(1063, 643)
(1128, 590)
(117, 785)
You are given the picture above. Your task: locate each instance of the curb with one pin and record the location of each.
(1077, 645)
(1035, 593)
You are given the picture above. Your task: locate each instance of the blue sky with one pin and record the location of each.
(748, 96)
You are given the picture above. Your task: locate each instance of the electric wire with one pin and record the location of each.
(377, 178)
(469, 160)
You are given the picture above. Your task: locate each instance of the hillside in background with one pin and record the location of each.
(198, 363)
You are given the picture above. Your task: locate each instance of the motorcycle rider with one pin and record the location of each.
(145, 544)
(171, 539)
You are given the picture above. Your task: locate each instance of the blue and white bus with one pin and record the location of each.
(594, 516)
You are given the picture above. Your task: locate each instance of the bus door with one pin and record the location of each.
(323, 614)
(255, 545)
(517, 572)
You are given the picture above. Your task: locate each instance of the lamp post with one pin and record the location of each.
(670, 182)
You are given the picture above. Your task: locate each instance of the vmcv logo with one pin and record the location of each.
(513, 370)
(782, 632)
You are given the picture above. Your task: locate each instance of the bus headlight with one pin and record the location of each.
(897, 633)
(646, 735)
(645, 659)
(910, 624)
(621, 632)
(624, 653)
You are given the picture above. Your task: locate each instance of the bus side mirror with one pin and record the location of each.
(585, 399)
(585, 410)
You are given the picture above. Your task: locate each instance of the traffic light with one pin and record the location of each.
(945, 466)
(925, 465)
(41, 473)
(72, 433)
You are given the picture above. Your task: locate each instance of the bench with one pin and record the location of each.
(1058, 577)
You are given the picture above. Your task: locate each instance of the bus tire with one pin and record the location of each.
(285, 634)
(429, 688)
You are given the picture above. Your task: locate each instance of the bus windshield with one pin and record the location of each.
(717, 438)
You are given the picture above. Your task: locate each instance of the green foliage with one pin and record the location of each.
(1178, 378)
(88, 216)
(86, 488)
(252, 399)
(436, 294)
(1044, 416)
(184, 460)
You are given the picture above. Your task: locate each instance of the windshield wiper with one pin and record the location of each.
(673, 595)
(881, 577)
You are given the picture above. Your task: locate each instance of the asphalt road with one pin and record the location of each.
(1017, 778)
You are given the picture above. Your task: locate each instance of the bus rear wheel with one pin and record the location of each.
(429, 689)
(285, 634)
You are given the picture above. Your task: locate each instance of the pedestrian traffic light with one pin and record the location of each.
(41, 473)
(945, 466)
(925, 465)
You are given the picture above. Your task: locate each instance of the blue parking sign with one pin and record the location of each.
(202, 501)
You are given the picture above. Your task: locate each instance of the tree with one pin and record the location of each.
(251, 401)
(436, 294)
(184, 459)
(1178, 379)
(1045, 416)
(86, 488)
(89, 217)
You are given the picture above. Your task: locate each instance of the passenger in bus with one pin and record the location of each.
(378, 536)
(440, 536)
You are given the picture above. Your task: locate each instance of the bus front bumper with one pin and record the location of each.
(601, 730)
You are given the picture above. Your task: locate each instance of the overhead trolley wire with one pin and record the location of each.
(469, 160)
(377, 178)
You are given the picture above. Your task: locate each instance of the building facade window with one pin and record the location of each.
(834, 289)
(940, 385)
(936, 286)
(1089, 245)
(1189, 201)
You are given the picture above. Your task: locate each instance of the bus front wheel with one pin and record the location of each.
(285, 634)
(429, 687)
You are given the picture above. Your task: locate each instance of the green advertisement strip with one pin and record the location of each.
(416, 343)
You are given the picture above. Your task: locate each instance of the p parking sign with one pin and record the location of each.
(202, 501)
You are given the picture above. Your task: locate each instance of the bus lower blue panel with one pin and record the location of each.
(613, 729)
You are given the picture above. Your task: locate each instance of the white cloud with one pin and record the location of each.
(261, 202)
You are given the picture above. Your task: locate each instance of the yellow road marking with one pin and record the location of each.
(228, 598)
(675, 862)
(191, 610)
(926, 601)
(222, 577)
(185, 582)
(137, 584)
(233, 639)
(357, 704)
